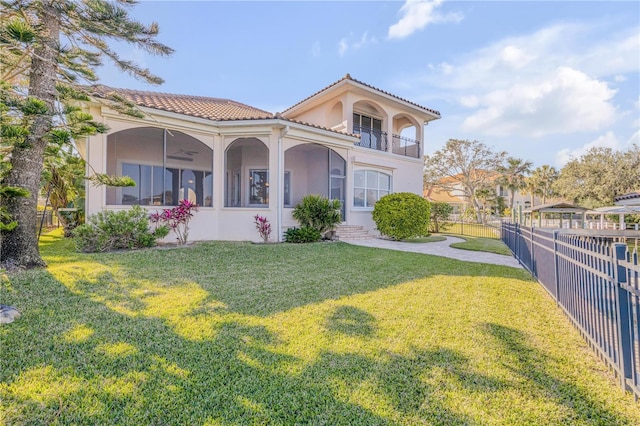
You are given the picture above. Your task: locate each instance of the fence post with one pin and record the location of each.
(623, 317)
(555, 267)
(533, 266)
(516, 243)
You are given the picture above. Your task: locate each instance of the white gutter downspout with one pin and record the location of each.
(283, 132)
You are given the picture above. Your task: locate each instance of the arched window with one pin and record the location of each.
(369, 186)
(167, 166)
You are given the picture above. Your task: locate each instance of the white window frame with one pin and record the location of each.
(365, 187)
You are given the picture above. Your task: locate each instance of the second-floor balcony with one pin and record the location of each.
(371, 138)
(377, 139)
(405, 146)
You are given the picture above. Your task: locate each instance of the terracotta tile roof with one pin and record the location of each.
(349, 78)
(441, 195)
(216, 109)
(195, 106)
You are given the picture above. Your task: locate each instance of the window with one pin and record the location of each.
(370, 131)
(369, 186)
(258, 187)
(360, 121)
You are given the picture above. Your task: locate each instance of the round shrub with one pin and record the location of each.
(402, 215)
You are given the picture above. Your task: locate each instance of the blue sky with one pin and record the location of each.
(543, 81)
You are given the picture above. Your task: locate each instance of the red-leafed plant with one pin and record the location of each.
(263, 226)
(177, 219)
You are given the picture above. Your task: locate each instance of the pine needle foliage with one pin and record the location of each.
(49, 53)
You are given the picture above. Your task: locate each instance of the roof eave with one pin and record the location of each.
(350, 81)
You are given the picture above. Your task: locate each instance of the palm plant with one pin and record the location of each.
(318, 212)
(513, 177)
(546, 176)
(532, 187)
(63, 185)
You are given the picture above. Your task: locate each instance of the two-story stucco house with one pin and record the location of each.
(347, 141)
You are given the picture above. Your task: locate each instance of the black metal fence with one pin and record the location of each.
(405, 146)
(371, 138)
(470, 229)
(596, 283)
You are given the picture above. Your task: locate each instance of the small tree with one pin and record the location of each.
(463, 165)
(402, 215)
(440, 212)
(318, 212)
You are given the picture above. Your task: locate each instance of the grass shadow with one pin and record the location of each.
(351, 321)
(536, 368)
(255, 279)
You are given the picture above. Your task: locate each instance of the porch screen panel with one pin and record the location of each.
(337, 171)
(190, 162)
(135, 153)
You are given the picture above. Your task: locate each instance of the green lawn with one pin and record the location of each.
(483, 244)
(326, 333)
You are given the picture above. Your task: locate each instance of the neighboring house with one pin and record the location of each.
(458, 201)
(450, 191)
(349, 141)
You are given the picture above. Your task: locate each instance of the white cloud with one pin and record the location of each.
(634, 139)
(557, 80)
(515, 57)
(469, 101)
(343, 47)
(619, 78)
(364, 40)
(608, 140)
(415, 15)
(566, 45)
(563, 101)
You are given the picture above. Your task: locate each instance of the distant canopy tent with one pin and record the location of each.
(621, 211)
(555, 209)
(630, 199)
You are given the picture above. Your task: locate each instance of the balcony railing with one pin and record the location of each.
(405, 146)
(371, 138)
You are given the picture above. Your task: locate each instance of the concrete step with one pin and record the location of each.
(352, 232)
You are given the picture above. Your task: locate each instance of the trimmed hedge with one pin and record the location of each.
(402, 215)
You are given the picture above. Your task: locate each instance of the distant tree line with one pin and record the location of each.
(473, 168)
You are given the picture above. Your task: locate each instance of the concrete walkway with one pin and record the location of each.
(441, 248)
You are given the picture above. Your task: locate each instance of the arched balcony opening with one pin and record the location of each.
(370, 122)
(405, 139)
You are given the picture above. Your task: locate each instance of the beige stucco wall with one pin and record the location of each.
(278, 136)
(394, 117)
